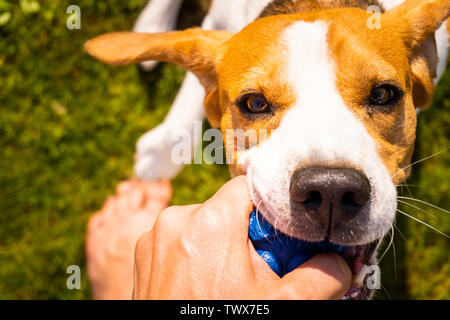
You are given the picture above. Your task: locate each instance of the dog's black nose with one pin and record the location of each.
(331, 196)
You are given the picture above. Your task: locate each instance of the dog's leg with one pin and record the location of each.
(158, 16)
(154, 148)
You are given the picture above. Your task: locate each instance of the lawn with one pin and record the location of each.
(68, 126)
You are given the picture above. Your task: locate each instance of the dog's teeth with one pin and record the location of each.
(354, 295)
(358, 279)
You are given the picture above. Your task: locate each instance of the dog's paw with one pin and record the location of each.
(154, 166)
(154, 155)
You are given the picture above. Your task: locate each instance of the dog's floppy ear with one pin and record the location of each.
(195, 50)
(418, 20)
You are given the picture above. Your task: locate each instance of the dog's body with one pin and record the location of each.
(338, 97)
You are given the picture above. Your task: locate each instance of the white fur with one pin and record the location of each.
(442, 42)
(158, 16)
(318, 130)
(234, 15)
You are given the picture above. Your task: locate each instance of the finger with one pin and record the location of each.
(325, 276)
(164, 236)
(261, 268)
(142, 265)
(173, 219)
(153, 209)
(233, 200)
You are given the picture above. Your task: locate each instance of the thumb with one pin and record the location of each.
(325, 276)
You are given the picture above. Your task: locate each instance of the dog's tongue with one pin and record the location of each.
(281, 252)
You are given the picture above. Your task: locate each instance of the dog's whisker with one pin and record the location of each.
(277, 236)
(418, 208)
(399, 231)
(401, 188)
(395, 260)
(389, 245)
(409, 191)
(401, 185)
(423, 202)
(257, 220)
(418, 161)
(389, 296)
(424, 223)
(257, 214)
(409, 185)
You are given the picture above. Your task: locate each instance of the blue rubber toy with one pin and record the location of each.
(281, 252)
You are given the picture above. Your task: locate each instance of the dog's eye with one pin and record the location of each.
(256, 104)
(384, 95)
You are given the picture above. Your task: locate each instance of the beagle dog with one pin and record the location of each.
(335, 96)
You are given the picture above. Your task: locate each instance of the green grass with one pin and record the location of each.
(68, 126)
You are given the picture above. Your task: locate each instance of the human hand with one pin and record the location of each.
(203, 252)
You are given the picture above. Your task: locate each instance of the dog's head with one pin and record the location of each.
(338, 100)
